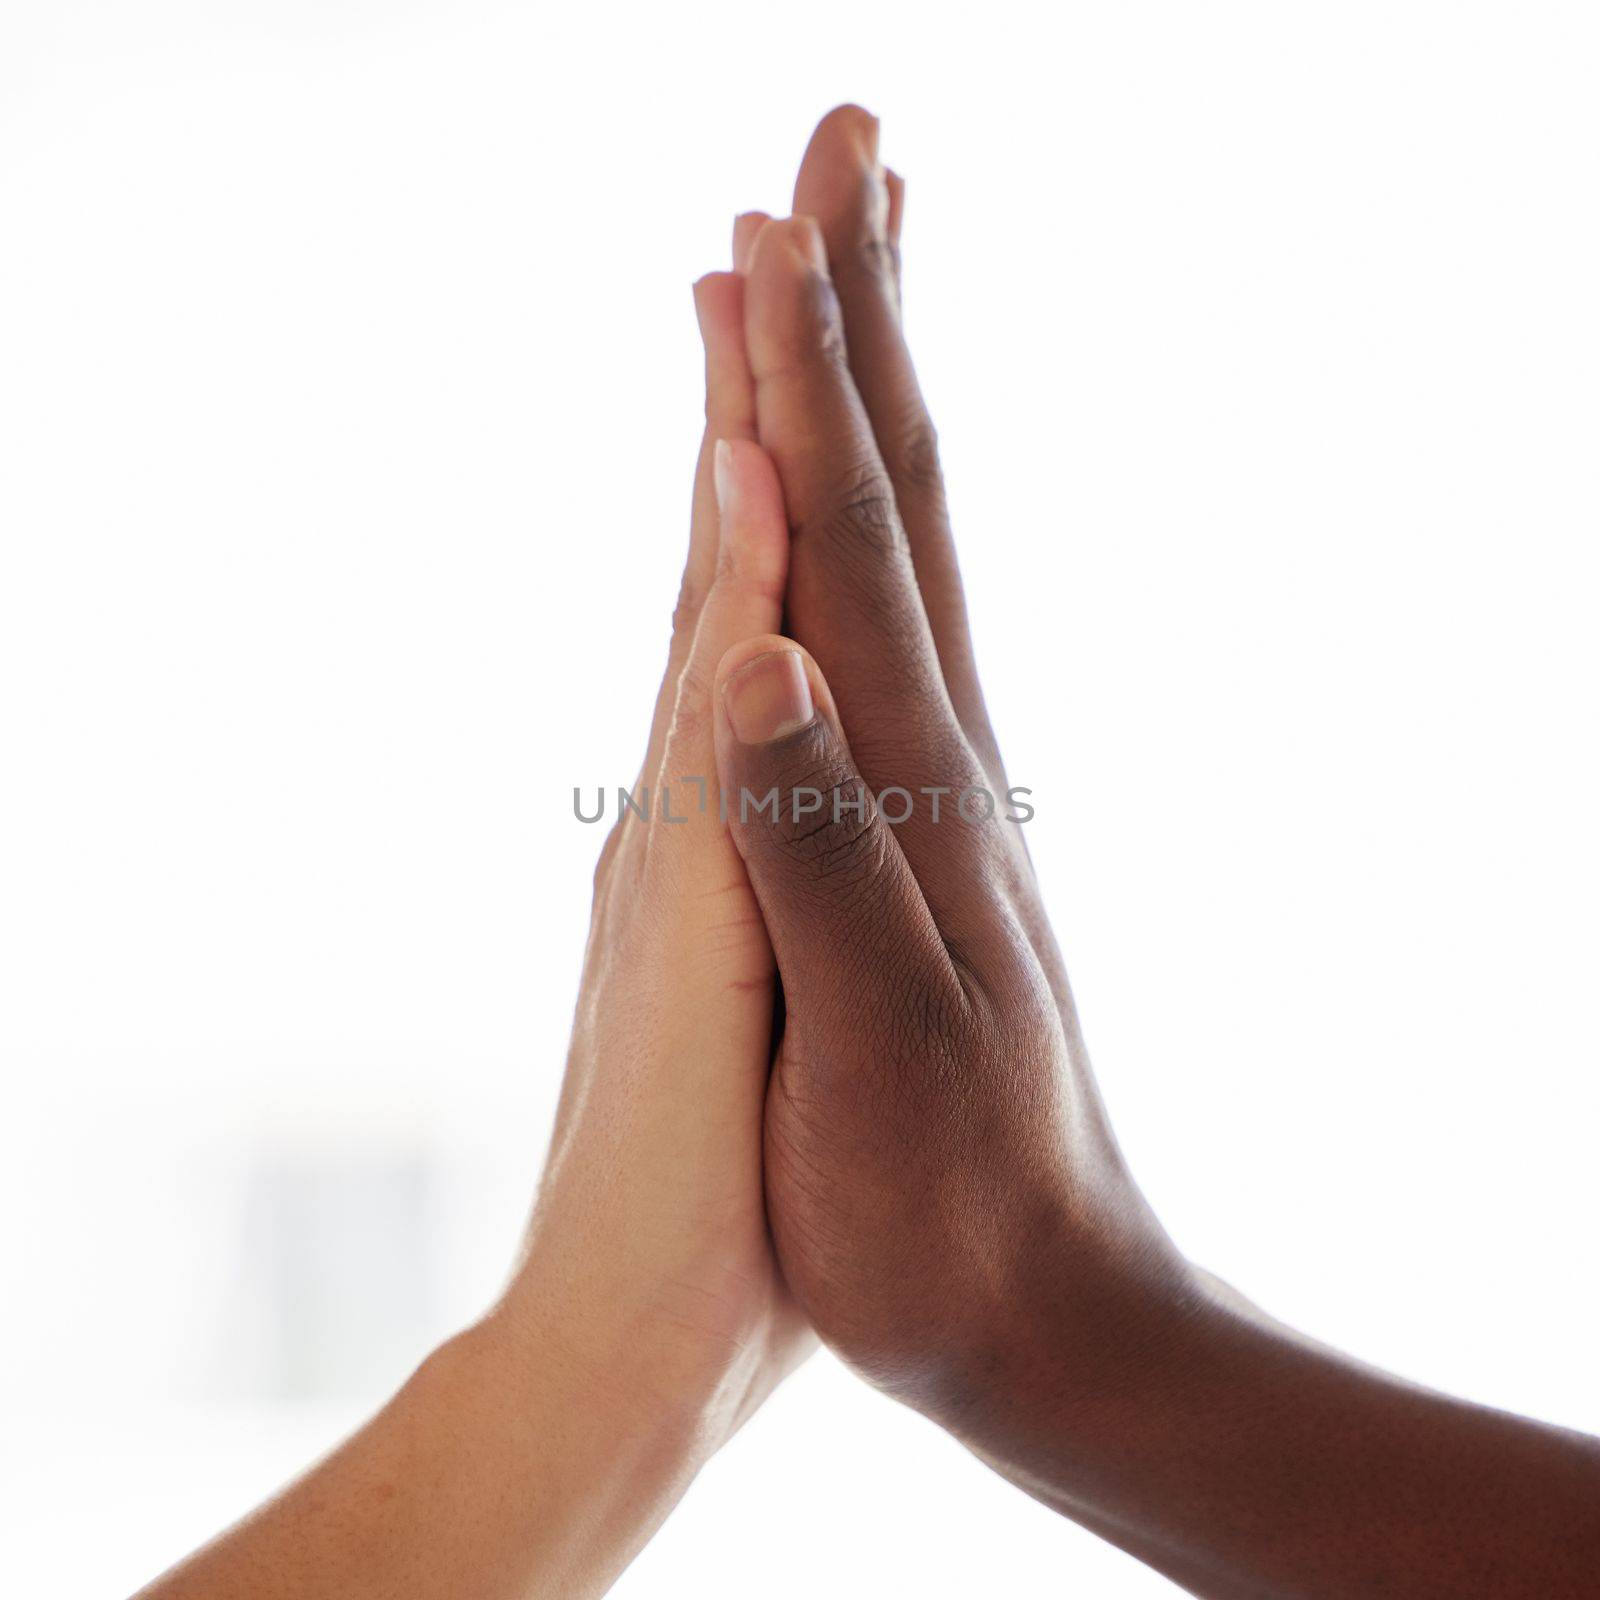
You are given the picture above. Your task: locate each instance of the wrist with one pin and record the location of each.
(637, 1356)
(585, 1463)
(552, 1363)
(1086, 1327)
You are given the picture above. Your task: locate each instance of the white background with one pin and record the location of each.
(348, 393)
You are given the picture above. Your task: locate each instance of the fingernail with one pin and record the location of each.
(722, 477)
(769, 697)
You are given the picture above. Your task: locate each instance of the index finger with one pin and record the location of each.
(853, 598)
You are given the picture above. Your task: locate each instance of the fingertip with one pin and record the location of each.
(789, 306)
(789, 244)
(850, 127)
(840, 178)
(719, 310)
(746, 227)
(713, 288)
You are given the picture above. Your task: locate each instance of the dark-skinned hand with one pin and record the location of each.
(947, 1200)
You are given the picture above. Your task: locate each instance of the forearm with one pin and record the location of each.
(1245, 1461)
(503, 1469)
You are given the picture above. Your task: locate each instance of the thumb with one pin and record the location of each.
(847, 919)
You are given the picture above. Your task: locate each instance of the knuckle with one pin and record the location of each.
(836, 841)
(875, 257)
(917, 455)
(861, 515)
(842, 850)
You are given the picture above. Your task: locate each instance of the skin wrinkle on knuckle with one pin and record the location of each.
(916, 458)
(864, 515)
(857, 521)
(845, 864)
(858, 577)
(862, 255)
(841, 847)
(877, 258)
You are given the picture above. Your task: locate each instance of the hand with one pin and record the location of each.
(947, 1199)
(651, 1217)
(932, 1116)
(535, 1453)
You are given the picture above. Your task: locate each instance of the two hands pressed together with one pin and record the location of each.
(912, 1163)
